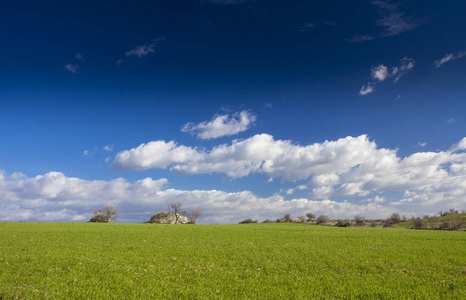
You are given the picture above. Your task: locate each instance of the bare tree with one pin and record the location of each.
(105, 214)
(302, 219)
(322, 219)
(193, 214)
(176, 208)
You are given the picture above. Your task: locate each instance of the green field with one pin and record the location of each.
(254, 261)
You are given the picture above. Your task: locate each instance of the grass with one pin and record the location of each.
(435, 222)
(254, 261)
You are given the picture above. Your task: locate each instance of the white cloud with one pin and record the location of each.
(448, 58)
(143, 50)
(108, 148)
(380, 72)
(393, 21)
(422, 144)
(72, 68)
(86, 153)
(153, 155)
(55, 197)
(221, 125)
(451, 121)
(366, 89)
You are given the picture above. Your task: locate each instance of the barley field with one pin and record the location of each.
(251, 261)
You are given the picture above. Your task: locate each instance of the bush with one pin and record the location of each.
(322, 219)
(344, 223)
(268, 221)
(248, 221)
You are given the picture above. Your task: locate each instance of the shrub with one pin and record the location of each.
(322, 219)
(344, 223)
(248, 221)
(268, 221)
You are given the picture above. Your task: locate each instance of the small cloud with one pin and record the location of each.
(221, 125)
(79, 57)
(422, 144)
(73, 69)
(380, 72)
(360, 38)
(268, 105)
(366, 89)
(451, 121)
(86, 152)
(118, 62)
(107, 159)
(143, 50)
(108, 148)
(448, 58)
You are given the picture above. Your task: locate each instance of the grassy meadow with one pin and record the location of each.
(252, 261)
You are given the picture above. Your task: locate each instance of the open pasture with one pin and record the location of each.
(254, 261)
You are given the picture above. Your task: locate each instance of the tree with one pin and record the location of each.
(359, 220)
(193, 214)
(302, 219)
(310, 217)
(322, 219)
(105, 214)
(176, 208)
(394, 218)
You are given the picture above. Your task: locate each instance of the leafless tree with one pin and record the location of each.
(176, 208)
(105, 214)
(193, 214)
(302, 219)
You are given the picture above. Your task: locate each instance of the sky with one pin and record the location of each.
(240, 108)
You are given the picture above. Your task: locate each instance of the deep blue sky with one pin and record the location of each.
(79, 76)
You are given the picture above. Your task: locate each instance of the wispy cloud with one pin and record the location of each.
(143, 50)
(366, 89)
(452, 121)
(360, 38)
(422, 144)
(108, 148)
(381, 73)
(448, 58)
(393, 20)
(221, 125)
(73, 69)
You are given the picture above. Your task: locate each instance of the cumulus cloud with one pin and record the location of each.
(351, 166)
(56, 197)
(108, 148)
(153, 155)
(382, 72)
(392, 20)
(221, 125)
(73, 69)
(448, 58)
